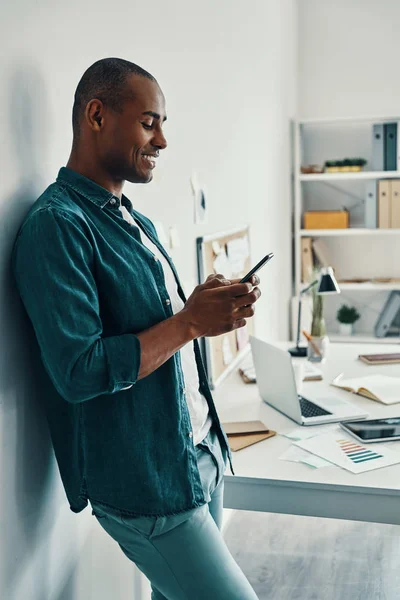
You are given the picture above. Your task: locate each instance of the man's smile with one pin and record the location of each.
(150, 159)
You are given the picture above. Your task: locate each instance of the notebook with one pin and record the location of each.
(237, 442)
(241, 427)
(381, 388)
(246, 433)
(380, 359)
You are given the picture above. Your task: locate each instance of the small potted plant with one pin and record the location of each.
(347, 316)
(345, 165)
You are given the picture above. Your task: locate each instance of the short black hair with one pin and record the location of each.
(104, 80)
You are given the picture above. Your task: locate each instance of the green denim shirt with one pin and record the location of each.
(89, 286)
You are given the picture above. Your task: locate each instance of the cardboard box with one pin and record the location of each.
(326, 219)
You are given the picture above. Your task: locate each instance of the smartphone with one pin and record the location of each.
(258, 266)
(374, 430)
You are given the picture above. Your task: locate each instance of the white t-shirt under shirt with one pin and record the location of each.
(197, 404)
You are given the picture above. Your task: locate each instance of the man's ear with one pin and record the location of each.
(94, 116)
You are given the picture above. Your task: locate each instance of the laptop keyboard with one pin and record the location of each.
(309, 409)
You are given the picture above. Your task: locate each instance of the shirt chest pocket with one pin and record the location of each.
(132, 293)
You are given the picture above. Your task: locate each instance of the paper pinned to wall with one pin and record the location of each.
(199, 200)
(238, 251)
(162, 234)
(222, 265)
(242, 337)
(227, 355)
(216, 246)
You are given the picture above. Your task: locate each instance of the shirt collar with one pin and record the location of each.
(88, 188)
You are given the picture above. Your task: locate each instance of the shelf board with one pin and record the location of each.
(368, 286)
(349, 176)
(363, 339)
(346, 232)
(348, 120)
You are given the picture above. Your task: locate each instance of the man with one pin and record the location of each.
(132, 420)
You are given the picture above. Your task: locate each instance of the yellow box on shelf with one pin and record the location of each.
(326, 219)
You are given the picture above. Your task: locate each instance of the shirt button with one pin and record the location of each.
(113, 201)
(190, 434)
(168, 302)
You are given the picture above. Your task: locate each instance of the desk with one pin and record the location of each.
(263, 482)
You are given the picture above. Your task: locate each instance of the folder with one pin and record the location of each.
(387, 315)
(384, 204)
(390, 131)
(246, 433)
(398, 147)
(395, 204)
(307, 262)
(237, 442)
(321, 253)
(371, 205)
(377, 162)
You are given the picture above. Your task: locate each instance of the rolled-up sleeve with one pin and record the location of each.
(53, 264)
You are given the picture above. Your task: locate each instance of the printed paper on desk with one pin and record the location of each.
(344, 451)
(304, 433)
(295, 454)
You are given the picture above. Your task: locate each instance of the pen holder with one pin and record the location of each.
(317, 349)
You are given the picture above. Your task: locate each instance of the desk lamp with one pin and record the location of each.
(327, 284)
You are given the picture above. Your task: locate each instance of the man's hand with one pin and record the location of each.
(219, 305)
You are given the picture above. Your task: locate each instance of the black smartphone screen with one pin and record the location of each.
(258, 266)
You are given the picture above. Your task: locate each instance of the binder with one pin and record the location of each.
(307, 263)
(395, 204)
(321, 253)
(377, 163)
(398, 147)
(390, 142)
(388, 315)
(384, 204)
(371, 205)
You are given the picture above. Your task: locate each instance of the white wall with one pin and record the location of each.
(348, 64)
(228, 73)
(348, 58)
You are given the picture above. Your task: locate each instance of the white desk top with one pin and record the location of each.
(237, 401)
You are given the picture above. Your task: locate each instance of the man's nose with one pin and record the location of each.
(159, 141)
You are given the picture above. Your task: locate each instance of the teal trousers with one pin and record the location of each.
(184, 556)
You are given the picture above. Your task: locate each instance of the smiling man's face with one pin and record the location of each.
(131, 140)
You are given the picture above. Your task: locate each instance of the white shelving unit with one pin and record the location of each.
(366, 287)
(362, 175)
(303, 130)
(364, 339)
(346, 232)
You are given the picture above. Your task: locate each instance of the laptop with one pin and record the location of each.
(277, 387)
